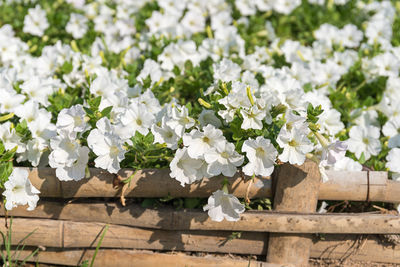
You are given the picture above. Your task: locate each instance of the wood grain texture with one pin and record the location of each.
(341, 185)
(137, 258)
(68, 234)
(49, 233)
(171, 219)
(297, 190)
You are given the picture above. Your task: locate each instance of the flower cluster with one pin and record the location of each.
(206, 88)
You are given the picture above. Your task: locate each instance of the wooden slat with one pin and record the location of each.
(258, 221)
(137, 258)
(158, 183)
(145, 183)
(296, 190)
(328, 246)
(68, 234)
(361, 248)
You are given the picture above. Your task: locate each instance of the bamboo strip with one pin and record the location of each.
(296, 190)
(136, 258)
(158, 183)
(258, 221)
(64, 234)
(331, 246)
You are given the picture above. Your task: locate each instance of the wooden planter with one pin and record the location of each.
(70, 228)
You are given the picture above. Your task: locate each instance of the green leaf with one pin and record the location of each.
(362, 158)
(94, 103)
(9, 154)
(89, 111)
(6, 169)
(21, 127)
(2, 148)
(66, 67)
(105, 112)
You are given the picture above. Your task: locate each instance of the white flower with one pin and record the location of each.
(223, 206)
(107, 146)
(20, 191)
(77, 25)
(199, 143)
(38, 89)
(347, 164)
(330, 122)
(392, 129)
(9, 100)
(252, 118)
(103, 86)
(323, 207)
(226, 70)
(35, 22)
(186, 169)
(261, 154)
(330, 155)
(180, 120)
(72, 121)
(76, 171)
(137, 118)
(223, 159)
(209, 117)
(333, 153)
(10, 138)
(33, 152)
(65, 151)
(364, 140)
(165, 134)
(295, 146)
(393, 160)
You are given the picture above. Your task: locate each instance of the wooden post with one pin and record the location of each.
(296, 191)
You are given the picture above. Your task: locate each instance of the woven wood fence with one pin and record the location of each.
(70, 218)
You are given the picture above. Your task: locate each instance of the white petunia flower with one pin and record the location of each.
(10, 138)
(393, 160)
(20, 191)
(261, 154)
(392, 130)
(37, 89)
(333, 153)
(330, 154)
(209, 117)
(252, 118)
(137, 118)
(186, 169)
(180, 120)
(364, 140)
(33, 152)
(65, 151)
(223, 159)
(165, 134)
(72, 121)
(347, 164)
(9, 100)
(199, 143)
(107, 146)
(226, 70)
(223, 206)
(77, 25)
(295, 146)
(35, 22)
(76, 171)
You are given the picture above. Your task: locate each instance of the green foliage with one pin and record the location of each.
(6, 163)
(9, 258)
(142, 153)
